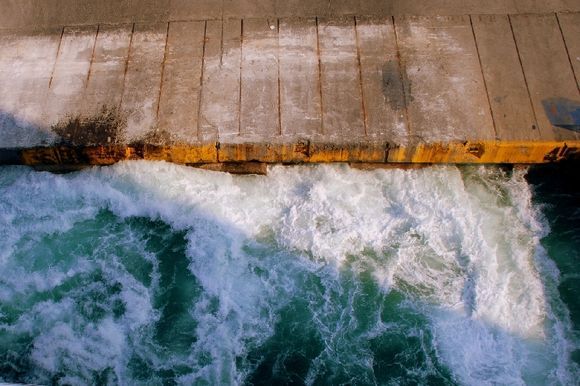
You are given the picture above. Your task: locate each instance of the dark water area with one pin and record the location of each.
(556, 189)
(149, 273)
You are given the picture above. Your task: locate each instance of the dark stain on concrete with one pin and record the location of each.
(156, 137)
(104, 128)
(393, 85)
(159, 137)
(563, 112)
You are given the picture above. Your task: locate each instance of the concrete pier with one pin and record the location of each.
(221, 83)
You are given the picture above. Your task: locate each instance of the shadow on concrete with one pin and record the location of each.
(563, 112)
(18, 133)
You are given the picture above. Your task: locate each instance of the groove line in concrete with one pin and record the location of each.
(221, 39)
(240, 80)
(360, 78)
(126, 66)
(199, 102)
(483, 77)
(525, 77)
(279, 90)
(92, 56)
(162, 70)
(567, 51)
(402, 78)
(56, 58)
(320, 78)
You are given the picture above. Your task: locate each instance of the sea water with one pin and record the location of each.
(153, 273)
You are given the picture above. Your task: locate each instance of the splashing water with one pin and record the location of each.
(153, 273)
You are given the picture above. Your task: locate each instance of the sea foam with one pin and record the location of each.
(446, 260)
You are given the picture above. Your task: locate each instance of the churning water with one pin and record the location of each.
(153, 273)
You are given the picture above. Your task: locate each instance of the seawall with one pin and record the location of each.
(224, 85)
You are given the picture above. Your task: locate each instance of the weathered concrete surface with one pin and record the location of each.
(371, 89)
(570, 26)
(259, 95)
(549, 74)
(383, 96)
(18, 14)
(219, 116)
(446, 87)
(180, 89)
(143, 81)
(511, 107)
(342, 103)
(70, 75)
(300, 97)
(26, 68)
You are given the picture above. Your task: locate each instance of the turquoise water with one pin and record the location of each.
(152, 273)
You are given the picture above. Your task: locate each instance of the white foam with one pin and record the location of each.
(463, 246)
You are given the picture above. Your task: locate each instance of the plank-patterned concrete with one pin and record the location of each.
(107, 72)
(181, 85)
(220, 102)
(342, 104)
(26, 67)
(259, 110)
(506, 86)
(300, 97)
(548, 72)
(70, 74)
(381, 79)
(421, 89)
(447, 98)
(570, 26)
(143, 79)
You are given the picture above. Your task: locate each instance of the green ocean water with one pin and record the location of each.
(155, 274)
(556, 191)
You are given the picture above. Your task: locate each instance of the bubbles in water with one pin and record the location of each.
(153, 273)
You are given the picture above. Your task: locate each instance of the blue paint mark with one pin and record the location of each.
(562, 112)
